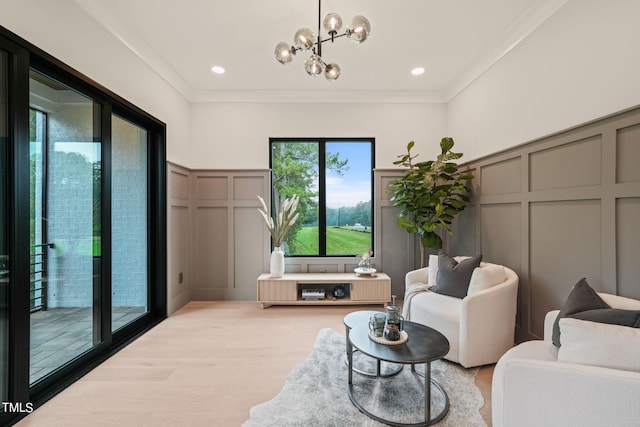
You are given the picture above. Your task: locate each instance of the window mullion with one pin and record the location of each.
(322, 199)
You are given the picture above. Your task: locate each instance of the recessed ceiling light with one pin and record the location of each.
(417, 71)
(217, 69)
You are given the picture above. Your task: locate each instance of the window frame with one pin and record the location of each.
(322, 199)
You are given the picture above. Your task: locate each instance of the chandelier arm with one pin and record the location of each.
(331, 39)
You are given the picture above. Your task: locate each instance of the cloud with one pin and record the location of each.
(341, 192)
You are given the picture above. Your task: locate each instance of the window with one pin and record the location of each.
(333, 178)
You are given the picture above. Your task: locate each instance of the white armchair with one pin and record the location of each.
(480, 327)
(534, 384)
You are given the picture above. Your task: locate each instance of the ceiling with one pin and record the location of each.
(454, 40)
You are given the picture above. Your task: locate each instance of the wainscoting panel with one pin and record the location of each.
(502, 177)
(248, 246)
(231, 243)
(553, 168)
(501, 241)
(247, 188)
(396, 250)
(396, 253)
(178, 238)
(628, 153)
(178, 184)
(559, 209)
(628, 246)
(564, 227)
(211, 188)
(465, 234)
(211, 253)
(179, 226)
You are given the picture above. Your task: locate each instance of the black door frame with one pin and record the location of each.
(22, 56)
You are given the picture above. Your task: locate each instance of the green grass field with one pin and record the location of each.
(340, 241)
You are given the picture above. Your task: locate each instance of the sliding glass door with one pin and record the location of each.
(65, 224)
(4, 229)
(129, 227)
(82, 225)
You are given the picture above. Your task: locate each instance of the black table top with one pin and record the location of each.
(359, 317)
(424, 345)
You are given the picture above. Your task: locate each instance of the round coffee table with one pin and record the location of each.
(425, 345)
(359, 318)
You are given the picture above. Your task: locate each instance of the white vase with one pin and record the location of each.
(277, 262)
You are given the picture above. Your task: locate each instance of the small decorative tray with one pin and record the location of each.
(381, 340)
(360, 271)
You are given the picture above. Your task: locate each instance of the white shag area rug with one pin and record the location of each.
(316, 392)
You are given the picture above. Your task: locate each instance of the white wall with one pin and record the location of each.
(236, 135)
(582, 64)
(65, 31)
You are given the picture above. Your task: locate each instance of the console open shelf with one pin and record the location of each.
(287, 290)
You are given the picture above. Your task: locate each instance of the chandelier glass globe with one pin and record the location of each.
(332, 23)
(304, 39)
(283, 53)
(332, 72)
(359, 29)
(314, 65)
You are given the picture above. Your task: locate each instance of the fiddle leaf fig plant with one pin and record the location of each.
(429, 194)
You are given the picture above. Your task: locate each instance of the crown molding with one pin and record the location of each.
(513, 36)
(136, 44)
(326, 96)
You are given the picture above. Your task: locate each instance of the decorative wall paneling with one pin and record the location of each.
(219, 245)
(178, 237)
(397, 251)
(558, 209)
(230, 242)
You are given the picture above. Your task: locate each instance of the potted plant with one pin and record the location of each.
(429, 194)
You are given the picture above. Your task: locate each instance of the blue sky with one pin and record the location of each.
(354, 185)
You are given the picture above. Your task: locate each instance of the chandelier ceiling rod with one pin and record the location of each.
(319, 42)
(304, 39)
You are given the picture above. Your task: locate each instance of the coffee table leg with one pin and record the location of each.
(427, 393)
(350, 360)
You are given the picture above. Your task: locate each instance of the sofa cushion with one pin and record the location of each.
(453, 277)
(612, 316)
(599, 344)
(581, 298)
(486, 276)
(616, 301)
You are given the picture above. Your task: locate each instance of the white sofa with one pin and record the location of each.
(480, 327)
(532, 387)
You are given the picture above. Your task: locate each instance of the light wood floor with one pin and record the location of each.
(204, 366)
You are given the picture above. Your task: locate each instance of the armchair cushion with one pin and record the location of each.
(433, 267)
(581, 298)
(599, 344)
(453, 276)
(486, 276)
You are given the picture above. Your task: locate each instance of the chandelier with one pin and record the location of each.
(305, 39)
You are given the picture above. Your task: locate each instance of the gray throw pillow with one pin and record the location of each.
(453, 277)
(581, 298)
(612, 316)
